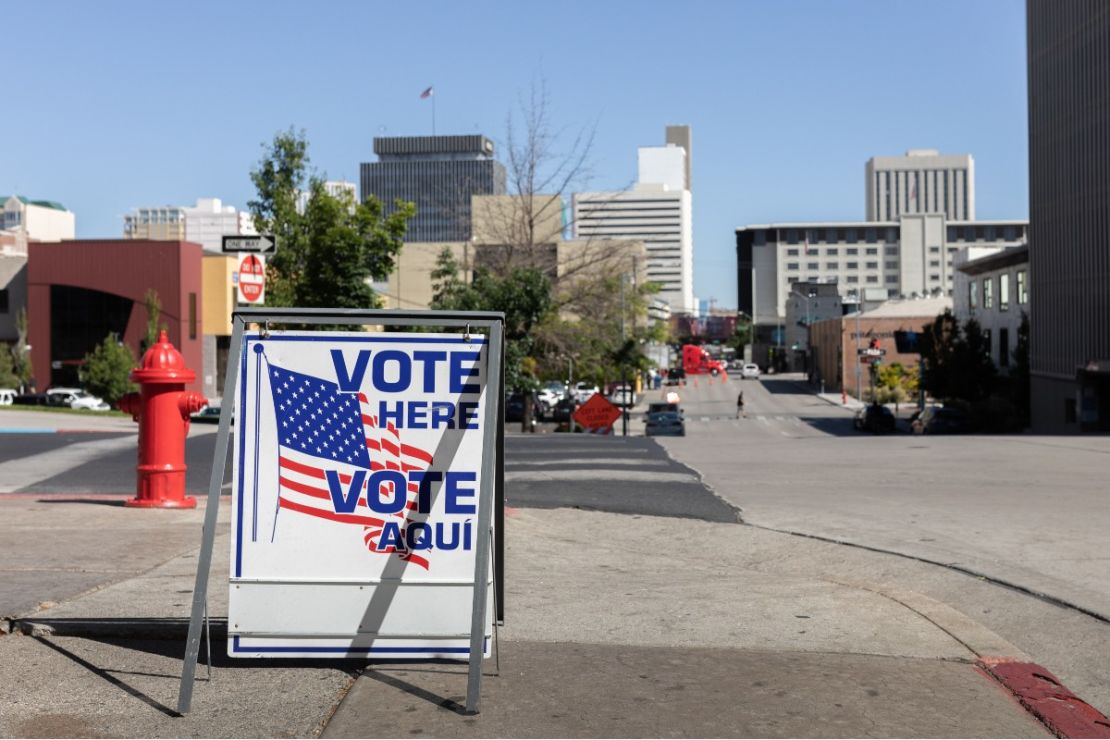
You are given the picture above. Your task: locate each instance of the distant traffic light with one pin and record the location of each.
(874, 343)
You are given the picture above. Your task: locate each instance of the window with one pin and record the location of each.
(850, 235)
(1022, 289)
(813, 266)
(832, 251)
(934, 278)
(791, 236)
(891, 251)
(892, 234)
(892, 278)
(892, 265)
(791, 278)
(987, 341)
(953, 250)
(934, 263)
(973, 294)
(832, 265)
(952, 234)
(872, 265)
(830, 236)
(791, 265)
(853, 278)
(1009, 233)
(872, 278)
(1004, 292)
(792, 253)
(1003, 347)
(934, 250)
(192, 316)
(853, 265)
(872, 251)
(4, 300)
(990, 235)
(851, 251)
(871, 238)
(988, 292)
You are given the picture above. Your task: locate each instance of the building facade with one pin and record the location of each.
(35, 220)
(73, 302)
(1069, 214)
(836, 342)
(993, 289)
(205, 224)
(437, 173)
(921, 181)
(657, 211)
(334, 188)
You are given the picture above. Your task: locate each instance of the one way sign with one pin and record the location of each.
(261, 244)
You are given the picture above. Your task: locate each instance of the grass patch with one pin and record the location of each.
(64, 410)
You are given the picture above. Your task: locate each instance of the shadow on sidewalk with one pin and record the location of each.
(786, 387)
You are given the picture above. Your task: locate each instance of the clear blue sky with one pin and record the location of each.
(115, 105)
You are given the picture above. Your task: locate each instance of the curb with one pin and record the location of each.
(110, 629)
(1046, 698)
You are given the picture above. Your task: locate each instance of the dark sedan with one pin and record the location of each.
(875, 418)
(665, 424)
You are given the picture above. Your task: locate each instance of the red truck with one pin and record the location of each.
(696, 361)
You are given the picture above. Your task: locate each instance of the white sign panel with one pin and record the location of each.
(357, 471)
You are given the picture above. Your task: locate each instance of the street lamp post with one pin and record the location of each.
(809, 320)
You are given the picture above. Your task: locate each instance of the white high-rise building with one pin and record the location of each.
(657, 211)
(205, 224)
(922, 181)
(334, 188)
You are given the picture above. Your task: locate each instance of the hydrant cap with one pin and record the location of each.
(162, 363)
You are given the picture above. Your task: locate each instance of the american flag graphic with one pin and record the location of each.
(320, 429)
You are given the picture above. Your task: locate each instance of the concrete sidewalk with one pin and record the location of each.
(616, 626)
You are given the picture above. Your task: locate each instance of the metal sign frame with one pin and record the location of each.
(491, 490)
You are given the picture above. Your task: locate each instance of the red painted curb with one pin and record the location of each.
(1046, 697)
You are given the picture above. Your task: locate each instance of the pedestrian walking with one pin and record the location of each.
(740, 406)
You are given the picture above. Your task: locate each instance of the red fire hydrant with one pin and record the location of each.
(162, 409)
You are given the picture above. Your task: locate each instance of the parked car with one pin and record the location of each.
(563, 409)
(750, 371)
(61, 396)
(875, 418)
(89, 402)
(665, 423)
(7, 396)
(583, 391)
(550, 394)
(942, 420)
(207, 415)
(622, 395)
(514, 407)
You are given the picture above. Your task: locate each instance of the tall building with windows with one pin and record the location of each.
(437, 173)
(913, 257)
(1069, 214)
(205, 224)
(922, 181)
(35, 220)
(658, 211)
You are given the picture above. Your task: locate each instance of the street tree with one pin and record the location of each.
(327, 254)
(106, 369)
(8, 377)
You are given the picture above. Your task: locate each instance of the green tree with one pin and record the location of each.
(326, 255)
(1019, 372)
(153, 318)
(937, 344)
(524, 295)
(8, 377)
(106, 368)
(21, 358)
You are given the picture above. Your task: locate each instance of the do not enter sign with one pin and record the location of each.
(252, 279)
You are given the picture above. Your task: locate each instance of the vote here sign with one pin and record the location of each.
(356, 484)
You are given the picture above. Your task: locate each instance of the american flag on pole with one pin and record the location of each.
(807, 243)
(428, 92)
(320, 429)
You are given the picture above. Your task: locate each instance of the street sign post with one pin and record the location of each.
(598, 414)
(251, 284)
(260, 244)
(870, 352)
(367, 480)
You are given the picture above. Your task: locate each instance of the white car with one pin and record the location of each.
(89, 402)
(750, 371)
(7, 396)
(583, 391)
(551, 394)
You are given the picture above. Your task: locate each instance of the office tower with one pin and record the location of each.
(657, 211)
(922, 181)
(437, 173)
(1069, 214)
(205, 224)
